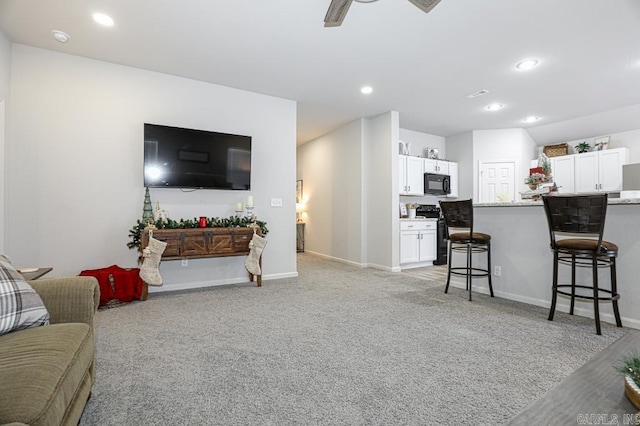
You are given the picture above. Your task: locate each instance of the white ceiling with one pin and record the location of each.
(421, 65)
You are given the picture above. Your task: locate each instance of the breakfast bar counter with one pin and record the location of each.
(520, 248)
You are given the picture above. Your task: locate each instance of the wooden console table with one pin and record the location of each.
(203, 242)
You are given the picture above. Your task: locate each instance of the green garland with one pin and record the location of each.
(135, 233)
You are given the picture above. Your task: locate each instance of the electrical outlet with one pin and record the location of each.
(497, 271)
(185, 262)
(276, 202)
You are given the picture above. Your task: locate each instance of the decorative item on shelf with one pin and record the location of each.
(583, 147)
(556, 150)
(239, 209)
(545, 164)
(202, 222)
(601, 143)
(249, 206)
(630, 369)
(159, 214)
(404, 148)
(534, 179)
(147, 208)
(432, 153)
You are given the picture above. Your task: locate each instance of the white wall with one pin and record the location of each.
(603, 123)
(382, 189)
(421, 141)
(629, 139)
(504, 144)
(460, 150)
(75, 164)
(5, 72)
(331, 170)
(349, 180)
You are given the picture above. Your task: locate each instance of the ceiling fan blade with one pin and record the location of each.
(425, 5)
(337, 11)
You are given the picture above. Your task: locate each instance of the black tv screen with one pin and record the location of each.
(187, 158)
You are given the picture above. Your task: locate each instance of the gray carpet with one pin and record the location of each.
(337, 345)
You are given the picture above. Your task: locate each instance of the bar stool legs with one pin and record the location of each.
(469, 269)
(595, 287)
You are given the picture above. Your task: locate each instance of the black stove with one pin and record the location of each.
(430, 211)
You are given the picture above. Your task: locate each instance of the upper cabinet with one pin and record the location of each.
(411, 175)
(412, 170)
(436, 166)
(600, 171)
(563, 169)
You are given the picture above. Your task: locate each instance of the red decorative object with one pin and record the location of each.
(117, 283)
(535, 170)
(202, 223)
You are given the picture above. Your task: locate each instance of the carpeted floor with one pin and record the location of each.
(337, 345)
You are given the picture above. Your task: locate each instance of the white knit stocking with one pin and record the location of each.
(152, 253)
(256, 246)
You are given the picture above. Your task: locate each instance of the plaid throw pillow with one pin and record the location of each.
(20, 305)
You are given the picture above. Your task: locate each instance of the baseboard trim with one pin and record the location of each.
(228, 281)
(338, 259)
(560, 306)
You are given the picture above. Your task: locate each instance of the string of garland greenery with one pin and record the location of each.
(135, 233)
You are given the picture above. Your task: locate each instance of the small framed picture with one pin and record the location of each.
(298, 191)
(432, 153)
(601, 143)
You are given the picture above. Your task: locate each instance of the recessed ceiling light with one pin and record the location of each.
(494, 107)
(61, 36)
(103, 19)
(527, 64)
(366, 90)
(531, 119)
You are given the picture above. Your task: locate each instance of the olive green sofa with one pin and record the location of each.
(46, 372)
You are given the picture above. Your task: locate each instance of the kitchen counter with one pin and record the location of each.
(527, 203)
(520, 246)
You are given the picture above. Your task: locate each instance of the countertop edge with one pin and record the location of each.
(612, 202)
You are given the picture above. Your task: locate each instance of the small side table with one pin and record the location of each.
(34, 275)
(300, 237)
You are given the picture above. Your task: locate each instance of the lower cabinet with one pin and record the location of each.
(417, 241)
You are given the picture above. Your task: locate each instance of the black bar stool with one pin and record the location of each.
(585, 215)
(458, 216)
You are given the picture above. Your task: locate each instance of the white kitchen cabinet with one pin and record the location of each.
(436, 166)
(411, 175)
(563, 170)
(453, 175)
(600, 171)
(418, 241)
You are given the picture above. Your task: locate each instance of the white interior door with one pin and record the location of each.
(497, 181)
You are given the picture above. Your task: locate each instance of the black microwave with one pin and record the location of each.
(435, 184)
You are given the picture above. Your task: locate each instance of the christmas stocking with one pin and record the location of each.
(256, 246)
(149, 271)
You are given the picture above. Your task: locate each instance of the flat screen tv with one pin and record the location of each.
(187, 158)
